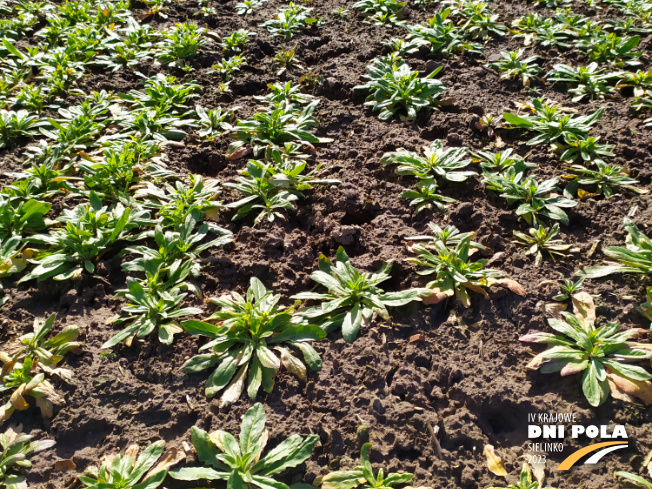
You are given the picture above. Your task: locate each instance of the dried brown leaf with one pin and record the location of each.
(293, 364)
(171, 457)
(539, 470)
(648, 463)
(512, 285)
(593, 248)
(6, 368)
(5, 413)
(555, 309)
(239, 153)
(494, 462)
(17, 400)
(64, 465)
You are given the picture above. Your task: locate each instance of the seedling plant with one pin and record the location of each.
(240, 462)
(251, 340)
(603, 354)
(354, 298)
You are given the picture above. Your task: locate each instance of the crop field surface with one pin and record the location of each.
(369, 215)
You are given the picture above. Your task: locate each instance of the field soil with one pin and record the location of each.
(428, 404)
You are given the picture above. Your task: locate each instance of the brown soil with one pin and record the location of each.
(467, 377)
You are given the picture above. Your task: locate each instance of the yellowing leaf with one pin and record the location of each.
(293, 364)
(212, 214)
(584, 309)
(626, 389)
(437, 296)
(494, 462)
(132, 451)
(17, 400)
(234, 389)
(537, 361)
(262, 442)
(477, 289)
(340, 480)
(46, 407)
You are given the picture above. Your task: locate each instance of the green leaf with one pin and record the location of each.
(341, 255)
(331, 283)
(365, 464)
(343, 479)
(397, 299)
(634, 478)
(34, 208)
(257, 288)
(199, 363)
(185, 311)
(267, 358)
(630, 371)
(597, 272)
(42, 328)
(198, 473)
(298, 333)
(268, 379)
(202, 328)
(67, 335)
(590, 386)
(395, 479)
(147, 459)
(352, 323)
(269, 483)
(228, 444)
(11, 48)
(565, 328)
(206, 450)
(235, 481)
(222, 374)
(120, 225)
(310, 355)
(255, 378)
(122, 335)
(631, 43)
(14, 482)
(516, 120)
(153, 481)
(595, 391)
(253, 425)
(289, 453)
